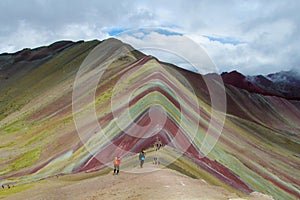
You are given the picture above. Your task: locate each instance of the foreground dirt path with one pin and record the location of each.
(160, 184)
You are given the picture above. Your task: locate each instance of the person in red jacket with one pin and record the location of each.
(117, 161)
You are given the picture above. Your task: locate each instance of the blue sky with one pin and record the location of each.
(223, 40)
(115, 31)
(253, 37)
(162, 31)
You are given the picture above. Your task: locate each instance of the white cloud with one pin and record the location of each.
(269, 32)
(177, 49)
(28, 36)
(23, 36)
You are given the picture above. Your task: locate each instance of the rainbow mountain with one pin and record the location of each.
(71, 107)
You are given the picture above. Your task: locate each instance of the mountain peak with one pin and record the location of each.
(282, 84)
(60, 114)
(232, 77)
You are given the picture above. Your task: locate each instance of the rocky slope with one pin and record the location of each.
(281, 84)
(65, 113)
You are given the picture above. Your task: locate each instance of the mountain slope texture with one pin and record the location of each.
(63, 113)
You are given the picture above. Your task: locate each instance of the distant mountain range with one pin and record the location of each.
(257, 148)
(285, 84)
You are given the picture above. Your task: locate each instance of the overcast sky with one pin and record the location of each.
(253, 37)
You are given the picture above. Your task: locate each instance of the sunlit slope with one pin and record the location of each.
(136, 100)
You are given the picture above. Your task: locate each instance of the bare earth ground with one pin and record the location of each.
(137, 183)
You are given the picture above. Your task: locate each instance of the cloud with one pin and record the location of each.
(29, 36)
(250, 36)
(171, 47)
(23, 36)
(223, 40)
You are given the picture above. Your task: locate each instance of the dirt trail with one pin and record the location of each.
(142, 184)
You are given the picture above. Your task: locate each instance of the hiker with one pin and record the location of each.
(142, 158)
(159, 144)
(117, 161)
(155, 160)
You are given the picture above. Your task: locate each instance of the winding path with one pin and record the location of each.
(137, 183)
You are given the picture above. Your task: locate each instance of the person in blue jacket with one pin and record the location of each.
(142, 158)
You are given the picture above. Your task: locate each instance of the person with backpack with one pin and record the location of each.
(142, 158)
(117, 161)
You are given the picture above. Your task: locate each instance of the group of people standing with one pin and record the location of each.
(117, 162)
(142, 156)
